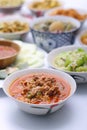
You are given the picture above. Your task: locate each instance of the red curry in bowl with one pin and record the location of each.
(40, 88)
(6, 51)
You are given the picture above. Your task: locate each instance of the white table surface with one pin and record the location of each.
(72, 116)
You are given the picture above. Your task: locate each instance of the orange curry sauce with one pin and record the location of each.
(40, 88)
(6, 51)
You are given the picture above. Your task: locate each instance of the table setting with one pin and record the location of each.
(43, 65)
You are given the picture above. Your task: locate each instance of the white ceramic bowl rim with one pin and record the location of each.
(27, 71)
(62, 49)
(61, 18)
(14, 18)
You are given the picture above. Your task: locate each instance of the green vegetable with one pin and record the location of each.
(75, 60)
(81, 69)
(80, 61)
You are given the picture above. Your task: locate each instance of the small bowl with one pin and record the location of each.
(39, 12)
(80, 77)
(11, 9)
(47, 40)
(39, 109)
(4, 62)
(79, 10)
(80, 36)
(14, 35)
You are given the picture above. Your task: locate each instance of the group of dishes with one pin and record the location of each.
(32, 89)
(59, 22)
(41, 91)
(16, 55)
(79, 14)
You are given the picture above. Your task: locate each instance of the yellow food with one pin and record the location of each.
(13, 26)
(84, 38)
(57, 25)
(54, 26)
(7, 3)
(69, 12)
(44, 4)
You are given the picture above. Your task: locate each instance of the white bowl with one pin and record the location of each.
(40, 12)
(39, 109)
(79, 10)
(15, 35)
(80, 77)
(47, 40)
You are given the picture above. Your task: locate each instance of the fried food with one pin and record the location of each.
(13, 26)
(69, 12)
(8, 3)
(84, 38)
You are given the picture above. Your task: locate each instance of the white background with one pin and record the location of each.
(72, 116)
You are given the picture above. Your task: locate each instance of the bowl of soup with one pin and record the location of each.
(38, 8)
(52, 32)
(8, 53)
(13, 27)
(8, 6)
(70, 59)
(39, 91)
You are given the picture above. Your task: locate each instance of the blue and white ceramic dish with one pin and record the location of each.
(47, 40)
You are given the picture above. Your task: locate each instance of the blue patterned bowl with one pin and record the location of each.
(47, 40)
